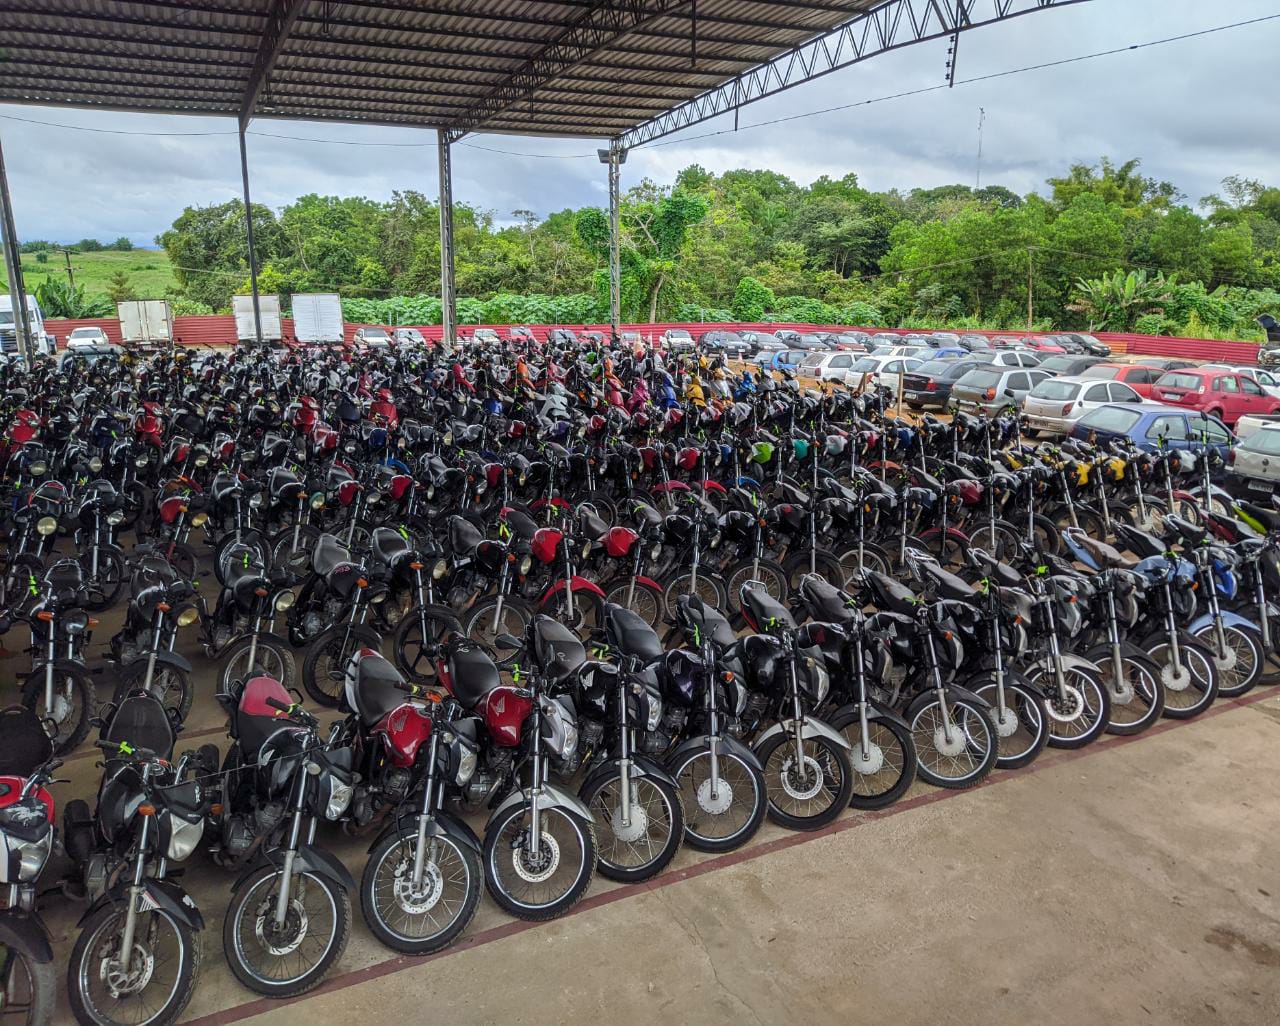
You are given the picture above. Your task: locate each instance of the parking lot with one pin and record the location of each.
(1132, 881)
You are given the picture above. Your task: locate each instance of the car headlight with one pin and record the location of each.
(199, 520)
(141, 461)
(255, 500)
(284, 601)
(188, 616)
(46, 526)
(95, 464)
(317, 501)
(525, 565)
(37, 468)
(115, 518)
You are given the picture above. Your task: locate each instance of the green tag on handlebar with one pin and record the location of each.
(1042, 570)
(404, 532)
(515, 673)
(697, 635)
(126, 748)
(31, 585)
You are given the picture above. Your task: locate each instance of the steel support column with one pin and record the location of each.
(448, 301)
(248, 231)
(13, 269)
(615, 156)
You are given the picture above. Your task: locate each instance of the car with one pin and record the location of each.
(880, 370)
(884, 338)
(976, 343)
(781, 359)
(377, 338)
(990, 389)
(1015, 358)
(1066, 364)
(88, 336)
(1042, 345)
(1089, 344)
(831, 366)
(938, 339)
(1141, 379)
(1164, 363)
(1057, 403)
(524, 334)
(914, 352)
(1226, 395)
(88, 354)
(1151, 425)
(858, 341)
(1270, 384)
(729, 343)
(563, 336)
(764, 341)
(677, 340)
(486, 336)
(929, 385)
(409, 337)
(1253, 469)
(811, 342)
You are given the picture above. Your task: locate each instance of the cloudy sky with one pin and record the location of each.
(1194, 111)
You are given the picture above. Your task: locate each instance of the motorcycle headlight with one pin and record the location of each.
(317, 501)
(466, 762)
(115, 518)
(350, 447)
(525, 565)
(202, 460)
(199, 520)
(183, 837)
(482, 487)
(562, 731)
(439, 570)
(140, 461)
(46, 526)
(448, 438)
(188, 616)
(431, 492)
(655, 710)
(523, 478)
(373, 498)
(95, 464)
(284, 601)
(655, 551)
(586, 547)
(338, 798)
(37, 468)
(255, 500)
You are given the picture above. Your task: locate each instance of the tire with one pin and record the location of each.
(295, 560)
(657, 818)
(1182, 700)
(157, 933)
(950, 553)
(709, 589)
(327, 656)
(70, 723)
(101, 591)
(254, 899)
(708, 825)
(1241, 665)
(170, 684)
(889, 766)
(272, 659)
(1087, 703)
(418, 638)
(29, 982)
(501, 853)
(181, 556)
(480, 626)
(250, 537)
(774, 577)
(828, 566)
(385, 883)
(1007, 539)
(970, 754)
(805, 802)
(588, 610)
(1141, 700)
(1023, 731)
(646, 601)
(1153, 521)
(874, 558)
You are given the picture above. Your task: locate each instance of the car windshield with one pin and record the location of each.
(1058, 364)
(981, 378)
(1102, 371)
(1056, 390)
(935, 368)
(375, 333)
(86, 333)
(813, 359)
(763, 338)
(1111, 418)
(811, 340)
(1178, 381)
(1266, 441)
(6, 316)
(865, 365)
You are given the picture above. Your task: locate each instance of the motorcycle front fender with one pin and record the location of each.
(168, 897)
(442, 824)
(550, 798)
(164, 658)
(726, 743)
(1070, 661)
(1205, 622)
(576, 584)
(26, 932)
(641, 766)
(1100, 655)
(877, 711)
(810, 727)
(312, 859)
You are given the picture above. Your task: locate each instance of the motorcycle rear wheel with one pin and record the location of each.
(327, 657)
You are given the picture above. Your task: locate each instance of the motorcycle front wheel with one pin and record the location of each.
(643, 845)
(271, 659)
(546, 884)
(1240, 664)
(291, 959)
(29, 987)
(418, 639)
(1078, 713)
(67, 723)
(485, 624)
(726, 816)
(885, 767)
(422, 920)
(956, 750)
(1190, 682)
(1022, 729)
(170, 684)
(809, 789)
(161, 976)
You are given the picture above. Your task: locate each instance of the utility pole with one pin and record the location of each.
(71, 275)
(615, 156)
(982, 117)
(1031, 288)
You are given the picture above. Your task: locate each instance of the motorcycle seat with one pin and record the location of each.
(827, 601)
(1107, 555)
(328, 554)
(556, 649)
(1268, 518)
(521, 524)
(693, 612)
(593, 527)
(1002, 573)
(472, 674)
(763, 609)
(464, 536)
(630, 634)
(390, 546)
(224, 487)
(647, 516)
(373, 687)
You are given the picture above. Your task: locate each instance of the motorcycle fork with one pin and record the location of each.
(1113, 639)
(48, 668)
(624, 763)
(935, 671)
(997, 647)
(135, 893)
(297, 522)
(157, 629)
(535, 812)
(797, 714)
(426, 815)
(291, 852)
(860, 674)
(1215, 610)
(713, 720)
(1171, 625)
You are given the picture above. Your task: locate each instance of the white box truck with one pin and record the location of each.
(45, 344)
(146, 322)
(317, 317)
(268, 309)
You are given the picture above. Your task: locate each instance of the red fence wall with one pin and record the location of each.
(220, 330)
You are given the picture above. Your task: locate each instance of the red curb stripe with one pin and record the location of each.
(398, 963)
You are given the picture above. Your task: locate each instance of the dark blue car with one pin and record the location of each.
(1145, 424)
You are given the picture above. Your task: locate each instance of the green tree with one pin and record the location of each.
(751, 300)
(120, 288)
(207, 249)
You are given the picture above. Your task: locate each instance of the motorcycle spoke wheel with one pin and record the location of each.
(808, 789)
(418, 640)
(1240, 666)
(1184, 700)
(1022, 730)
(883, 768)
(871, 559)
(324, 669)
(1086, 698)
(29, 988)
(954, 751)
(644, 601)
(486, 624)
(67, 722)
(641, 847)
(1141, 699)
(726, 816)
(268, 661)
(431, 916)
(545, 884)
(706, 589)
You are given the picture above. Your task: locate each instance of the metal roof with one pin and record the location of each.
(570, 67)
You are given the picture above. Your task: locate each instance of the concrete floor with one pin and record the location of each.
(1132, 881)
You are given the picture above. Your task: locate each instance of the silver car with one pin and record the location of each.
(1057, 403)
(992, 389)
(1255, 464)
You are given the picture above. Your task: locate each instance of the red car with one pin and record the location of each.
(1042, 345)
(1222, 394)
(1141, 379)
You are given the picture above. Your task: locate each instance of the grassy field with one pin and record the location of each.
(148, 270)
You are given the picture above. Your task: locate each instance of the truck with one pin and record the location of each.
(268, 309)
(45, 344)
(317, 317)
(146, 322)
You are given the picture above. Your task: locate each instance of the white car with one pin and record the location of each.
(879, 370)
(1055, 404)
(377, 338)
(1255, 463)
(84, 337)
(409, 337)
(677, 340)
(827, 366)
